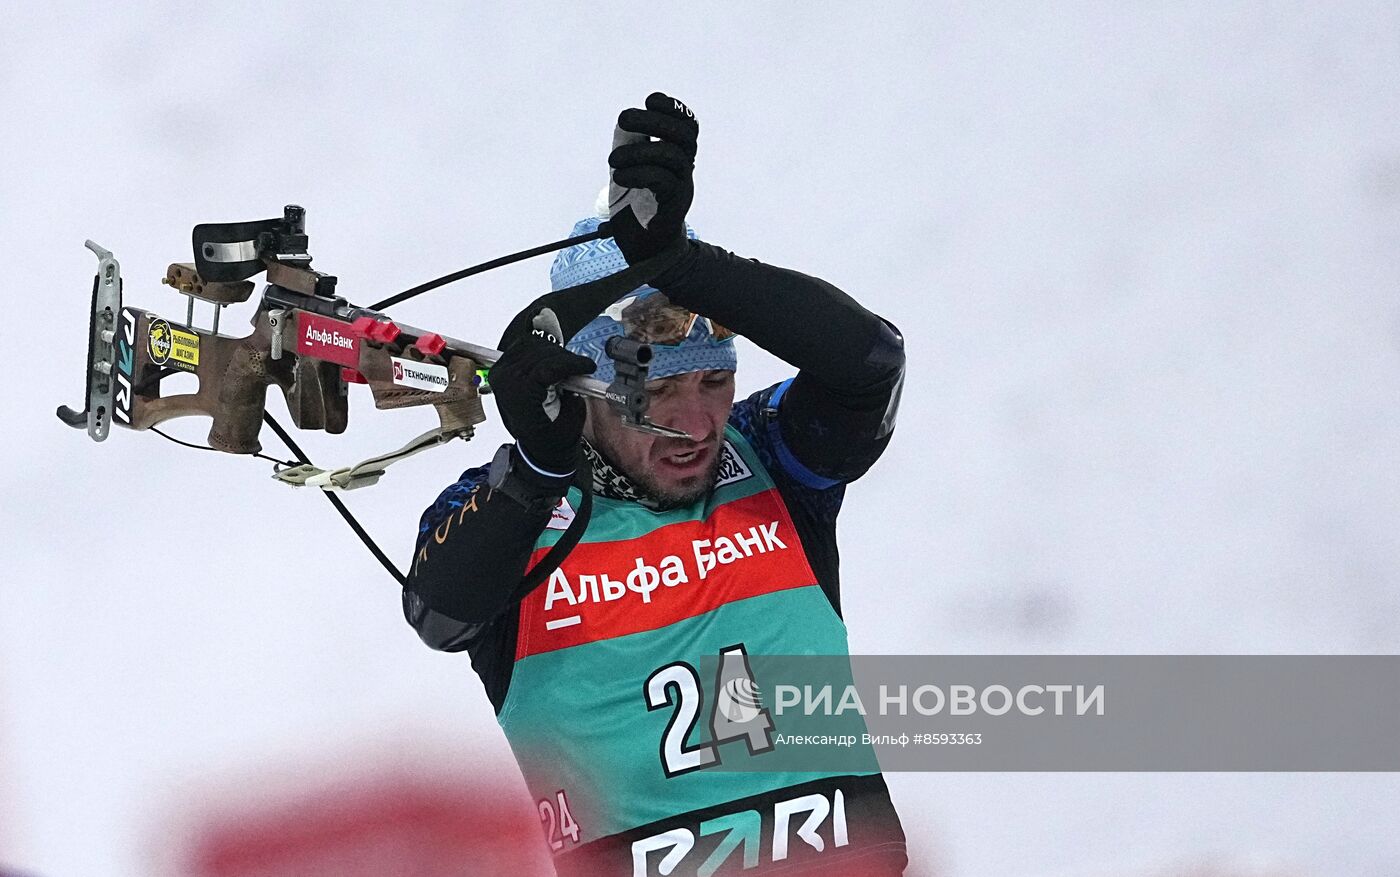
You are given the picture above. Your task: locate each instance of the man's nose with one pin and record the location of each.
(685, 414)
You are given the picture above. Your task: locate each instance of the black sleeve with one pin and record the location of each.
(814, 501)
(836, 417)
(473, 547)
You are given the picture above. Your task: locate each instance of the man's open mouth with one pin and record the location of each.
(682, 462)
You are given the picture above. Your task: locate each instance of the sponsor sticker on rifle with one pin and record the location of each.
(732, 467)
(324, 338)
(419, 375)
(172, 346)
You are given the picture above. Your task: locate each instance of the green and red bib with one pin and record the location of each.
(607, 712)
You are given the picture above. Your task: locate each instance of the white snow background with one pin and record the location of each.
(1146, 258)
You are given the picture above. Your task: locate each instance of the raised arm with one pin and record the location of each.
(837, 415)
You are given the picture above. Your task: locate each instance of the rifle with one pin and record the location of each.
(311, 344)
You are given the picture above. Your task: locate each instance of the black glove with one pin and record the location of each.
(546, 423)
(651, 185)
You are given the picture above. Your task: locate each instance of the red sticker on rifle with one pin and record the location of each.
(324, 338)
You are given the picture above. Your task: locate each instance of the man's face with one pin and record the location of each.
(674, 471)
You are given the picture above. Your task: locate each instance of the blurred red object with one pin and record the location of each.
(383, 826)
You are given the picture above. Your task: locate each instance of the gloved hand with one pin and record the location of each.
(546, 423)
(651, 186)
